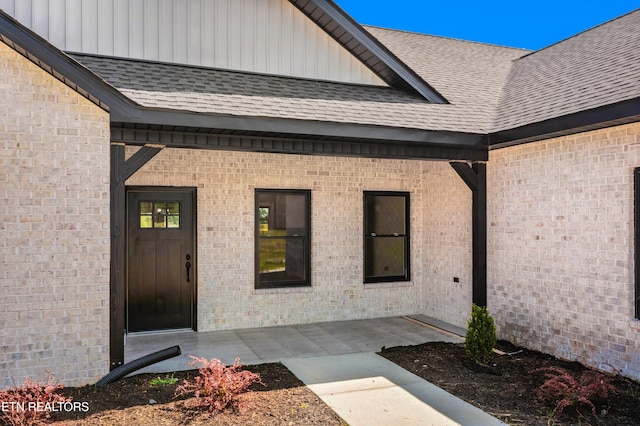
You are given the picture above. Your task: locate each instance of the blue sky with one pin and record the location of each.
(529, 24)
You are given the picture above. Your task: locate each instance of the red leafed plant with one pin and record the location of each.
(217, 386)
(564, 391)
(31, 403)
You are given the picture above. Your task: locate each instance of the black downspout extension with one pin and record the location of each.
(139, 363)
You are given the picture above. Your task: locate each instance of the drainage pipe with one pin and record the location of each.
(139, 363)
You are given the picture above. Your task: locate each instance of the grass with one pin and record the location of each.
(163, 381)
(273, 251)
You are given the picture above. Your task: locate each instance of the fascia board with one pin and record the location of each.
(627, 111)
(301, 128)
(63, 67)
(333, 20)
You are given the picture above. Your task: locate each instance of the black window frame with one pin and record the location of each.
(306, 282)
(407, 236)
(636, 195)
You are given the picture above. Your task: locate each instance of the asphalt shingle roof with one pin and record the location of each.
(598, 67)
(216, 91)
(470, 75)
(472, 94)
(490, 88)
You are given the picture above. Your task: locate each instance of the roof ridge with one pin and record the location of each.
(447, 38)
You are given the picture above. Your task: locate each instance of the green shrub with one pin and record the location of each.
(481, 335)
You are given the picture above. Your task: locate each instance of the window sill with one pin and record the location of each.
(635, 324)
(283, 290)
(389, 284)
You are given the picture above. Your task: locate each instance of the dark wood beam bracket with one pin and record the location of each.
(118, 247)
(140, 158)
(475, 177)
(636, 179)
(467, 174)
(121, 170)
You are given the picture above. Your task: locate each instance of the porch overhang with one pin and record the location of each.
(183, 129)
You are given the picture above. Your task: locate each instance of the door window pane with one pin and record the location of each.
(282, 238)
(159, 214)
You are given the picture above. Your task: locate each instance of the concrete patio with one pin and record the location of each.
(274, 344)
(336, 360)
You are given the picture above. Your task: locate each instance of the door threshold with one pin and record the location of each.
(169, 331)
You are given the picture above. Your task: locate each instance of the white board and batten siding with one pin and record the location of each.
(264, 36)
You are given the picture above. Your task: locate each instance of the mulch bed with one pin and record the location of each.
(285, 400)
(505, 389)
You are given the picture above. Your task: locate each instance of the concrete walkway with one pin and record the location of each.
(367, 389)
(337, 361)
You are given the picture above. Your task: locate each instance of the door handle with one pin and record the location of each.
(188, 266)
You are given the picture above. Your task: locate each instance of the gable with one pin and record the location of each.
(262, 36)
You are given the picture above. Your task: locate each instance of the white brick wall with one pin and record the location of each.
(561, 243)
(561, 246)
(225, 184)
(54, 228)
(448, 229)
(560, 212)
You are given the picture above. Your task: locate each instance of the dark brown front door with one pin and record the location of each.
(161, 262)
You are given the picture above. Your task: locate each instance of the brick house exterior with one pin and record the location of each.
(561, 246)
(54, 223)
(545, 237)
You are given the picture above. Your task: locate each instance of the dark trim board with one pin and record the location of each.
(346, 31)
(593, 119)
(467, 174)
(139, 135)
(63, 67)
(120, 171)
(479, 239)
(475, 176)
(636, 179)
(288, 128)
(118, 249)
(139, 159)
